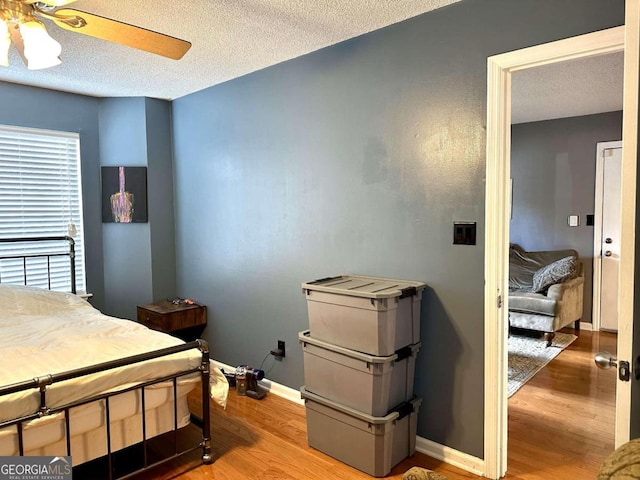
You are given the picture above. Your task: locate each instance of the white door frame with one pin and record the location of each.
(500, 68)
(597, 231)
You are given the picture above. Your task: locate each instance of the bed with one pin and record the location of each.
(75, 382)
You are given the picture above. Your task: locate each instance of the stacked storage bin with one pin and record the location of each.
(359, 362)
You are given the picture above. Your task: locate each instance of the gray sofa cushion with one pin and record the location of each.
(529, 302)
(532, 321)
(523, 265)
(556, 272)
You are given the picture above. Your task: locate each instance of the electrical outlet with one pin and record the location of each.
(280, 351)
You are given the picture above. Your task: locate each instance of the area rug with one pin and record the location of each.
(527, 356)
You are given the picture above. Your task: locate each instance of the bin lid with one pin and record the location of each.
(362, 286)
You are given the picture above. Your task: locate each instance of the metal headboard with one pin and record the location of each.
(71, 253)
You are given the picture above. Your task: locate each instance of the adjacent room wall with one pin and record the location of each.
(553, 166)
(357, 158)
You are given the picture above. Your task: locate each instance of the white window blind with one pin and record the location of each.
(40, 196)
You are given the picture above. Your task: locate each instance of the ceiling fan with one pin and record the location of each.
(20, 23)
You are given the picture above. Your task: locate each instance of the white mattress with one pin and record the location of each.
(43, 332)
(46, 436)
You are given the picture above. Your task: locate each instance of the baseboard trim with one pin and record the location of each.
(586, 326)
(283, 391)
(448, 455)
(443, 453)
(278, 389)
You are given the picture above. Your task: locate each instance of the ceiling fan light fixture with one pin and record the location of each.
(5, 43)
(40, 50)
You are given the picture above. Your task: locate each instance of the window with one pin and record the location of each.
(40, 196)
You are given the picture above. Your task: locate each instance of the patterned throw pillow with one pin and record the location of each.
(559, 271)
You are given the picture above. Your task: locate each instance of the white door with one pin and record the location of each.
(607, 236)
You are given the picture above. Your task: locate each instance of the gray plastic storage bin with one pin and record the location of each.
(371, 444)
(367, 383)
(369, 314)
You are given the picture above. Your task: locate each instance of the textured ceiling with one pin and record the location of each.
(568, 89)
(230, 38)
(234, 37)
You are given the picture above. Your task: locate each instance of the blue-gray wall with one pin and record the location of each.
(126, 265)
(553, 166)
(161, 199)
(38, 108)
(139, 260)
(356, 158)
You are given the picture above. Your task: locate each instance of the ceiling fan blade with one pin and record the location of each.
(52, 3)
(122, 33)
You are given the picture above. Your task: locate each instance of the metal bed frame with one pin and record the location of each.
(71, 253)
(43, 382)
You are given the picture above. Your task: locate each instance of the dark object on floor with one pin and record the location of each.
(246, 380)
(418, 473)
(622, 464)
(231, 378)
(253, 389)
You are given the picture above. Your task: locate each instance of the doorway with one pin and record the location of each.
(553, 167)
(500, 69)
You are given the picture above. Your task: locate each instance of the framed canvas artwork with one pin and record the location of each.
(124, 194)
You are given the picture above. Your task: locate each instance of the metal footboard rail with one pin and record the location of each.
(42, 383)
(71, 254)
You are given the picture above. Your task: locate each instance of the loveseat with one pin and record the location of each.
(545, 290)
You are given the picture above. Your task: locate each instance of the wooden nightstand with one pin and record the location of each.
(183, 321)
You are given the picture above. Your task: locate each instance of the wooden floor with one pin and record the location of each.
(560, 427)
